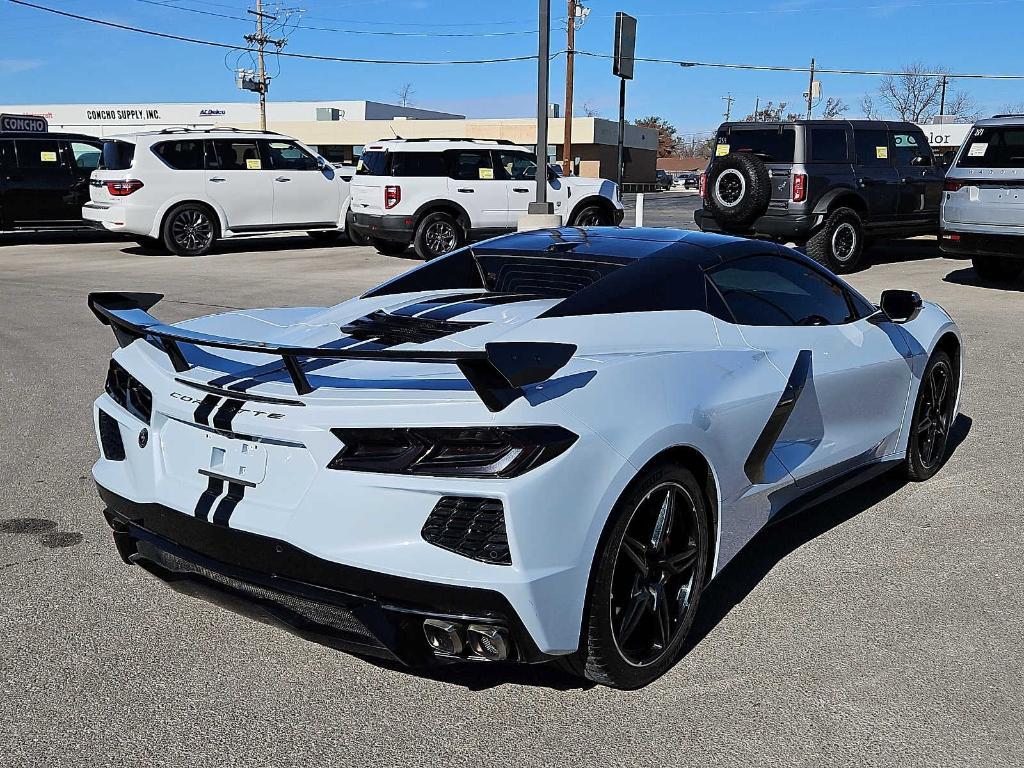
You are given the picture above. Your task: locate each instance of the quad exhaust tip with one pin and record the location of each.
(483, 641)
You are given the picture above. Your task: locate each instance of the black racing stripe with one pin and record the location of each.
(214, 488)
(471, 305)
(228, 411)
(428, 304)
(204, 409)
(227, 505)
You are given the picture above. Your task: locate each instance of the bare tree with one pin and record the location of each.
(834, 108)
(589, 110)
(916, 95)
(771, 113)
(405, 94)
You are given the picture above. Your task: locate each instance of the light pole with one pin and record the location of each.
(541, 204)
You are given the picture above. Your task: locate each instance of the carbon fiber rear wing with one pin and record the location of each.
(497, 373)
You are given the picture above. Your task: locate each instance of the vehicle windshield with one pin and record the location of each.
(994, 147)
(770, 144)
(117, 156)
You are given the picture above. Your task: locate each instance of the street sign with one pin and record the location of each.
(625, 45)
(23, 123)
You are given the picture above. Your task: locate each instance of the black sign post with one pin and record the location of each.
(23, 124)
(622, 67)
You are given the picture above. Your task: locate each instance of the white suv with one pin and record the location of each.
(184, 189)
(441, 193)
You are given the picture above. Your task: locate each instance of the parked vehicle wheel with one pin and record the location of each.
(389, 247)
(933, 417)
(839, 244)
(325, 235)
(591, 216)
(437, 234)
(648, 576)
(354, 237)
(739, 189)
(996, 267)
(190, 229)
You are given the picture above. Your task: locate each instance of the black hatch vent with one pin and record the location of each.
(471, 527)
(389, 329)
(551, 278)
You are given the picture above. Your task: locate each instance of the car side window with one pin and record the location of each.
(471, 165)
(518, 166)
(289, 156)
(872, 145)
(237, 155)
(39, 153)
(86, 156)
(828, 145)
(182, 155)
(910, 149)
(418, 164)
(7, 156)
(771, 289)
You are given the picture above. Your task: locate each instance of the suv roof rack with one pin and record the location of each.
(455, 138)
(219, 129)
(1009, 114)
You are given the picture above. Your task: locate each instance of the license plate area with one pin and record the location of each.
(242, 460)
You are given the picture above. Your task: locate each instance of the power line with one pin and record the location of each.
(229, 46)
(818, 70)
(371, 32)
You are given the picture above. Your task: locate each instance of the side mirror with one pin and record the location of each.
(321, 164)
(551, 173)
(901, 306)
(920, 160)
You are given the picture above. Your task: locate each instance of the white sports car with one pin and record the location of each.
(542, 447)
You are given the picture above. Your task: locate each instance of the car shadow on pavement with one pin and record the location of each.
(480, 676)
(792, 531)
(967, 276)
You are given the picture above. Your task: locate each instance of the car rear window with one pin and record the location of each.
(994, 147)
(828, 145)
(117, 156)
(773, 145)
(182, 155)
(373, 163)
(418, 164)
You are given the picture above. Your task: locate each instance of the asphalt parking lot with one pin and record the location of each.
(881, 629)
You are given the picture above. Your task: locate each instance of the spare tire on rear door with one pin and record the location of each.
(738, 189)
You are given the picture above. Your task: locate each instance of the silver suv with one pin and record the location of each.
(983, 202)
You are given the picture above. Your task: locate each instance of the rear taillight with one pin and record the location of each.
(123, 188)
(703, 185)
(953, 186)
(799, 187)
(392, 196)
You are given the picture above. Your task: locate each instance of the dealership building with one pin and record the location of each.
(339, 130)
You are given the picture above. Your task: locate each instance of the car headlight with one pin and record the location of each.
(450, 451)
(129, 393)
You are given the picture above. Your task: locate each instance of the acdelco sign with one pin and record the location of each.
(24, 123)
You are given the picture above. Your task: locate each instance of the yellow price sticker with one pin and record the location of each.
(48, 157)
(721, 150)
(486, 173)
(882, 153)
(253, 164)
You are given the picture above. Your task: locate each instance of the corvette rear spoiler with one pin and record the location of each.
(497, 373)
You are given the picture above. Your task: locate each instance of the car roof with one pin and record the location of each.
(440, 144)
(1000, 120)
(198, 133)
(815, 123)
(48, 135)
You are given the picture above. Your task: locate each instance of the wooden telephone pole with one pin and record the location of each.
(576, 13)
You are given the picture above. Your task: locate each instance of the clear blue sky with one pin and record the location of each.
(46, 59)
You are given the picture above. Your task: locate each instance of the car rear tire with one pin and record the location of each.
(648, 575)
(437, 234)
(996, 267)
(738, 189)
(839, 244)
(190, 229)
(325, 235)
(933, 417)
(591, 216)
(389, 247)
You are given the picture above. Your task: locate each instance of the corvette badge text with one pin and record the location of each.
(189, 399)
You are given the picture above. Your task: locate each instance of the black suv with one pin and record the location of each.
(44, 179)
(831, 185)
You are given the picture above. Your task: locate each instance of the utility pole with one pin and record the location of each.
(541, 204)
(260, 41)
(942, 103)
(810, 91)
(575, 9)
(757, 108)
(728, 99)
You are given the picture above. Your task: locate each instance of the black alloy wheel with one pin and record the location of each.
(648, 575)
(592, 216)
(189, 230)
(437, 234)
(933, 418)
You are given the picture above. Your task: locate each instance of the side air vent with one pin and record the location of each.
(110, 438)
(471, 527)
(391, 329)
